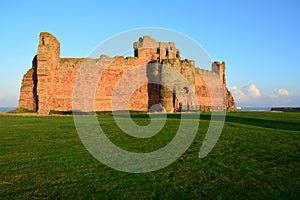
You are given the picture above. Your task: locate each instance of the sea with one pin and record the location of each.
(255, 109)
(5, 109)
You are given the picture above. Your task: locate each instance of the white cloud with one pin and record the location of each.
(281, 92)
(246, 94)
(251, 96)
(237, 93)
(252, 91)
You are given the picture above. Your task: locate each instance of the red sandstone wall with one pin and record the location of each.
(62, 83)
(212, 91)
(111, 76)
(202, 92)
(48, 57)
(26, 100)
(63, 78)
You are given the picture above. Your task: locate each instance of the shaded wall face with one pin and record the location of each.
(183, 79)
(35, 82)
(171, 84)
(26, 100)
(28, 93)
(154, 87)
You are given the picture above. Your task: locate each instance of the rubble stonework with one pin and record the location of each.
(48, 85)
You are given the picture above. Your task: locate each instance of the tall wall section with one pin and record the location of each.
(212, 89)
(48, 58)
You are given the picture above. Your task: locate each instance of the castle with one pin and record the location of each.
(48, 85)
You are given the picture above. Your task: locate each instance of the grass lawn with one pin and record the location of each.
(256, 157)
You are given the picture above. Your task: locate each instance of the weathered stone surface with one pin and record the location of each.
(28, 91)
(49, 84)
(26, 96)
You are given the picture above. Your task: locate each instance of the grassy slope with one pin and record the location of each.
(257, 156)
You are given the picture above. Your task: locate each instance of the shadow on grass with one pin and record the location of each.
(205, 116)
(266, 123)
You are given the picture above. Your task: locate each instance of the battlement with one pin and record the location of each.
(148, 48)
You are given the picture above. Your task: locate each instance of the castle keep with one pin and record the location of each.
(48, 85)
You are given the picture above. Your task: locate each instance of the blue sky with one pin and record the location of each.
(258, 40)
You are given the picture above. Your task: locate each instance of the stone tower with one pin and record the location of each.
(219, 68)
(162, 57)
(48, 57)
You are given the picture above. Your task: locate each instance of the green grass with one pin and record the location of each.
(21, 111)
(256, 157)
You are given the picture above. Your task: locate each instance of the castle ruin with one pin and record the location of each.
(48, 85)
